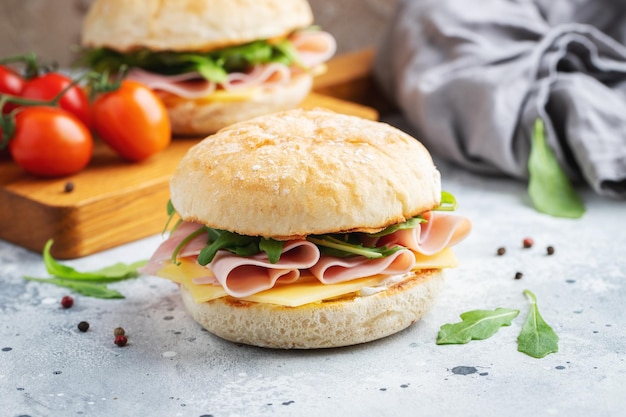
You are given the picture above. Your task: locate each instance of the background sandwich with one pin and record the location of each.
(307, 229)
(213, 62)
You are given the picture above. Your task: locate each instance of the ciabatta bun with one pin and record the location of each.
(345, 321)
(189, 25)
(302, 172)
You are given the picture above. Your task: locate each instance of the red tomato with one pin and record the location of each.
(10, 83)
(132, 120)
(47, 86)
(50, 142)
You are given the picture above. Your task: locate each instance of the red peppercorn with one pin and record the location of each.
(67, 301)
(121, 340)
(528, 243)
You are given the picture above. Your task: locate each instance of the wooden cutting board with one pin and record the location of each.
(112, 202)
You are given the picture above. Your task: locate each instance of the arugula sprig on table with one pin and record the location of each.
(549, 187)
(89, 283)
(536, 338)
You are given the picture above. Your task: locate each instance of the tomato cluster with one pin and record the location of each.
(49, 121)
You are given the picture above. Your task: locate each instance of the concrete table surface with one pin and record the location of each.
(171, 367)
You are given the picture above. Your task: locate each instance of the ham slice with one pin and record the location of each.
(267, 75)
(243, 276)
(313, 47)
(190, 85)
(167, 247)
(332, 270)
(440, 231)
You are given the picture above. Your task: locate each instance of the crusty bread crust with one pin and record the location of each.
(346, 321)
(190, 25)
(301, 172)
(203, 116)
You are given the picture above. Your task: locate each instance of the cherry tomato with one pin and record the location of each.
(50, 142)
(132, 120)
(47, 86)
(10, 83)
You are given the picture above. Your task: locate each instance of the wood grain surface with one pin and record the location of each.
(112, 201)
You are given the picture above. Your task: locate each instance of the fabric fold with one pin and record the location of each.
(472, 80)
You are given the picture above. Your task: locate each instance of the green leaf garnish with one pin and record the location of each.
(476, 325)
(448, 202)
(409, 224)
(238, 244)
(537, 338)
(273, 248)
(549, 187)
(89, 289)
(116, 272)
(89, 283)
(343, 248)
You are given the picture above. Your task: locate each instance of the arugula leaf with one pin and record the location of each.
(548, 187)
(476, 325)
(537, 338)
(115, 272)
(448, 202)
(409, 224)
(273, 249)
(343, 248)
(90, 283)
(86, 288)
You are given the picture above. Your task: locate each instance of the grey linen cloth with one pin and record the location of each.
(471, 77)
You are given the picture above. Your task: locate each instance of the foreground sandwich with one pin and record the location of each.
(213, 62)
(307, 229)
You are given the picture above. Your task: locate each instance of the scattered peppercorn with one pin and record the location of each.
(518, 275)
(550, 250)
(67, 301)
(83, 326)
(119, 331)
(121, 340)
(69, 187)
(501, 251)
(528, 243)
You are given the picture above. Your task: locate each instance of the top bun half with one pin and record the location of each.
(301, 172)
(190, 25)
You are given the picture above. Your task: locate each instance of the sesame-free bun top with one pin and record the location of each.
(190, 25)
(300, 172)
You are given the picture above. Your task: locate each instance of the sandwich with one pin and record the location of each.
(308, 229)
(212, 62)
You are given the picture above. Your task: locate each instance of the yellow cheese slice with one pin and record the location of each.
(217, 96)
(306, 290)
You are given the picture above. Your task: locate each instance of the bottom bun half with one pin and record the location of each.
(205, 116)
(345, 321)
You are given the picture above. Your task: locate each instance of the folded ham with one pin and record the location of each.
(243, 276)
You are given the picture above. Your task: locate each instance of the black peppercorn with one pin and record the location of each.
(501, 251)
(83, 326)
(550, 250)
(518, 275)
(69, 187)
